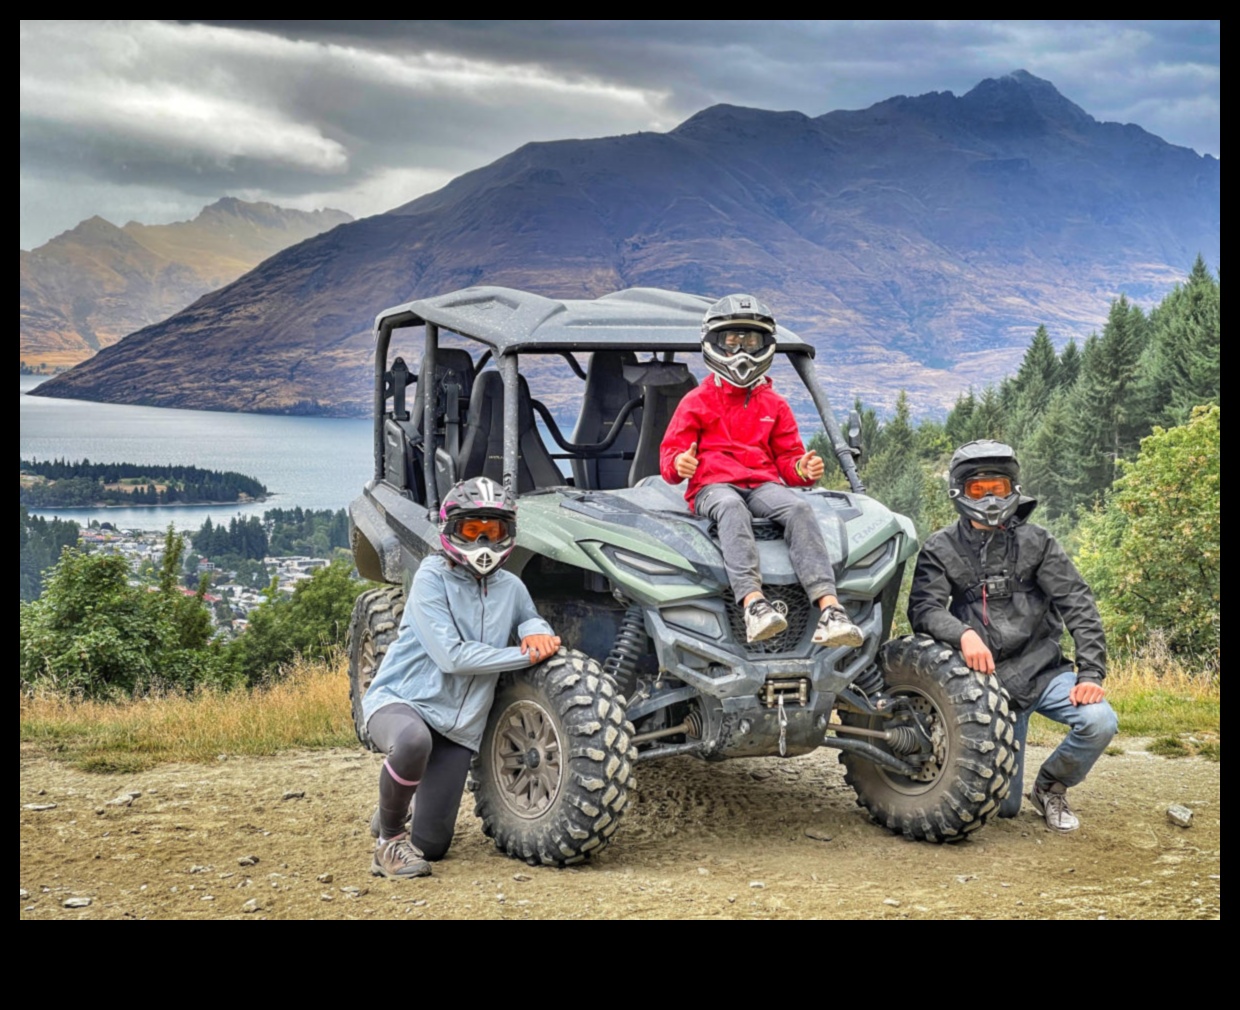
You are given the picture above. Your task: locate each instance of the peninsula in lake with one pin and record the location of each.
(62, 484)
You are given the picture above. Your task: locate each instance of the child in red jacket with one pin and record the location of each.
(736, 441)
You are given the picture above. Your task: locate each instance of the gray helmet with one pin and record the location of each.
(739, 361)
(984, 458)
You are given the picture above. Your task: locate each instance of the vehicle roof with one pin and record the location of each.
(508, 320)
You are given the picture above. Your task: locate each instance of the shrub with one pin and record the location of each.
(309, 623)
(93, 634)
(1152, 552)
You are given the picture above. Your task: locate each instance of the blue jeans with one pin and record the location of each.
(1091, 728)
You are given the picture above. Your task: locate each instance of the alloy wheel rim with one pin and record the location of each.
(526, 759)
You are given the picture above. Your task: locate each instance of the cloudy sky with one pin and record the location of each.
(152, 120)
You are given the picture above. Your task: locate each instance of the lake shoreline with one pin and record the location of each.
(155, 505)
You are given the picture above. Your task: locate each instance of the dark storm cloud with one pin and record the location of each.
(152, 119)
(1110, 68)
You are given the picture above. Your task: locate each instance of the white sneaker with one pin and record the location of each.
(762, 621)
(836, 628)
(1052, 804)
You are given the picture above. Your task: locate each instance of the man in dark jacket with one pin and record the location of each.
(1001, 590)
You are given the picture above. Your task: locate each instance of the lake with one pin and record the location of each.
(311, 462)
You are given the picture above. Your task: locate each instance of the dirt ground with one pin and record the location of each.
(286, 838)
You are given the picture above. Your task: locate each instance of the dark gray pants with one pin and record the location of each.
(438, 766)
(734, 508)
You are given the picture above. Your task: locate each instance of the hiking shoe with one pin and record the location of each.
(836, 628)
(375, 825)
(398, 857)
(1052, 804)
(762, 621)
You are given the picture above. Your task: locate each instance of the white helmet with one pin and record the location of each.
(478, 525)
(738, 339)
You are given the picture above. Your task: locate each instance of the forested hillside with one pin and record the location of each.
(1119, 442)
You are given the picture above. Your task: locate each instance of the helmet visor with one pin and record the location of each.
(984, 486)
(473, 528)
(741, 341)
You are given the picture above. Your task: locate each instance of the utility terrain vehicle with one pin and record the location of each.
(635, 583)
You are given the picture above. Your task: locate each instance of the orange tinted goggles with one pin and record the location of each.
(981, 487)
(475, 529)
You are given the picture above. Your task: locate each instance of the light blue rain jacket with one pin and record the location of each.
(452, 647)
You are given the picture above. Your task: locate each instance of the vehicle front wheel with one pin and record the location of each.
(372, 630)
(971, 731)
(555, 768)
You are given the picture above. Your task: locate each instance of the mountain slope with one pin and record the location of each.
(87, 288)
(918, 243)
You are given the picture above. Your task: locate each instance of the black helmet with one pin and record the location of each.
(984, 481)
(738, 339)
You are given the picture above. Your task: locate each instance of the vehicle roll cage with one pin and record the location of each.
(640, 319)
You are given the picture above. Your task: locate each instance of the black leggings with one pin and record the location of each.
(421, 761)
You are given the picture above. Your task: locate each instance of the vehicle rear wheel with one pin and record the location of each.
(555, 768)
(971, 728)
(372, 630)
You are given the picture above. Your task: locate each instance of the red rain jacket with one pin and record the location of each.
(745, 437)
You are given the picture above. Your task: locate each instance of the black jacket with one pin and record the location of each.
(1016, 588)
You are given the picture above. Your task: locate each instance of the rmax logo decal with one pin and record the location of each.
(866, 531)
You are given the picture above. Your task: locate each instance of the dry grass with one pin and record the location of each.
(1158, 695)
(1154, 694)
(309, 707)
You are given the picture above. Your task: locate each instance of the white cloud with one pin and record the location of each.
(368, 115)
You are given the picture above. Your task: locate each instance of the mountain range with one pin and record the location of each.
(90, 286)
(917, 243)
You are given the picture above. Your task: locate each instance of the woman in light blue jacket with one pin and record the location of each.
(428, 704)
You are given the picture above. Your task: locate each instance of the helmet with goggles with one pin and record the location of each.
(478, 525)
(738, 339)
(984, 482)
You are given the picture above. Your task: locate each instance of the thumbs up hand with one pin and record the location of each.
(687, 462)
(810, 466)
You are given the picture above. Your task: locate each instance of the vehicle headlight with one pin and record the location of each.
(696, 620)
(875, 556)
(645, 565)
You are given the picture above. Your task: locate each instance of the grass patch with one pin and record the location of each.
(1155, 694)
(309, 707)
(1186, 745)
(1170, 746)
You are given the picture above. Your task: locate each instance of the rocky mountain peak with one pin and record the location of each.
(1019, 97)
(919, 243)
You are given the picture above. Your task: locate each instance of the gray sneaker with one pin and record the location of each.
(762, 621)
(398, 857)
(1052, 804)
(836, 628)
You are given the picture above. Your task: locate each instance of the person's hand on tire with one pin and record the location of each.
(539, 647)
(977, 656)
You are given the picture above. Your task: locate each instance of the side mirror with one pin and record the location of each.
(854, 435)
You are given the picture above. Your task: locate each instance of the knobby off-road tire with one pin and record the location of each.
(555, 769)
(972, 728)
(372, 630)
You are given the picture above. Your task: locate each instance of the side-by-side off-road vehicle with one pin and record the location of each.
(656, 662)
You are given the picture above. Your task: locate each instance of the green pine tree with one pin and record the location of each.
(1182, 365)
